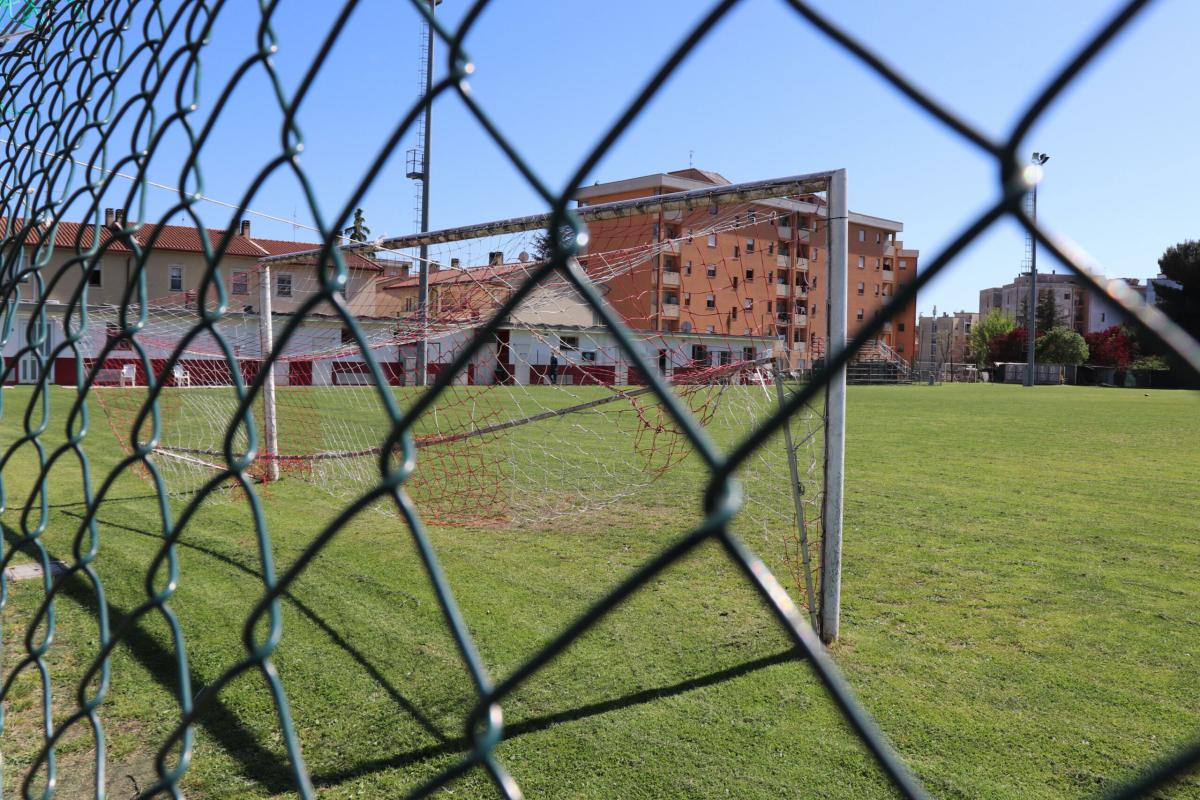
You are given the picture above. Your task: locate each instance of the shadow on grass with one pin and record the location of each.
(269, 769)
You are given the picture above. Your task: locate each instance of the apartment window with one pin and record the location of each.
(804, 223)
(747, 354)
(862, 262)
(700, 353)
(877, 290)
(348, 336)
(654, 232)
(733, 313)
(568, 342)
(903, 264)
(687, 268)
(770, 248)
(749, 245)
(816, 310)
(900, 347)
(588, 355)
(711, 269)
(816, 255)
(689, 236)
(712, 210)
(1066, 295)
(283, 284)
(785, 249)
(174, 279)
(735, 281)
(748, 303)
(95, 276)
(859, 315)
(1102, 316)
(862, 235)
(878, 264)
(686, 327)
(749, 276)
(687, 298)
(861, 287)
(410, 304)
(737, 251)
(900, 327)
(877, 237)
(710, 301)
(239, 283)
(769, 307)
(814, 282)
(771, 277)
(752, 215)
(712, 240)
(797, 336)
(710, 329)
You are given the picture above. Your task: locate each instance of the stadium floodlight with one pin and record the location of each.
(1031, 312)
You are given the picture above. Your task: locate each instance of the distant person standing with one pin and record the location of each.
(553, 369)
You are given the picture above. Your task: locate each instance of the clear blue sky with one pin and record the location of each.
(764, 96)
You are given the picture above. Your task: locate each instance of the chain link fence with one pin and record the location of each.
(67, 70)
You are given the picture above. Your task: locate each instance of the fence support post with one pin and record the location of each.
(266, 337)
(835, 410)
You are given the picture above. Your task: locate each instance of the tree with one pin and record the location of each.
(1046, 313)
(1181, 263)
(543, 243)
(1008, 346)
(358, 230)
(1112, 347)
(996, 323)
(1061, 346)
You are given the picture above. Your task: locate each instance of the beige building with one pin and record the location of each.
(945, 339)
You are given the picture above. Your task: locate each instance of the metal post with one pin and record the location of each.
(266, 337)
(835, 409)
(423, 267)
(1031, 311)
(1039, 159)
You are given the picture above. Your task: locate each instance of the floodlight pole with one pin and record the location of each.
(423, 267)
(1031, 312)
(266, 343)
(835, 408)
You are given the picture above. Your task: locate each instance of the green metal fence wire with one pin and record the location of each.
(67, 70)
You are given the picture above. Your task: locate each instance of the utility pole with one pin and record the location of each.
(1035, 175)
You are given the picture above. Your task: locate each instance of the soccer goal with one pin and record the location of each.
(733, 295)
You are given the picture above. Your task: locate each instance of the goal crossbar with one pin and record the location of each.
(772, 188)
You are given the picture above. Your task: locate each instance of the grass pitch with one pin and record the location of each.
(1020, 591)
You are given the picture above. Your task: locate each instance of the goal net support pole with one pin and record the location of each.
(266, 334)
(835, 409)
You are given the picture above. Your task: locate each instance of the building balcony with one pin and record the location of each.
(783, 318)
(801, 320)
(670, 310)
(783, 261)
(889, 274)
(801, 263)
(670, 279)
(781, 290)
(785, 231)
(671, 246)
(673, 216)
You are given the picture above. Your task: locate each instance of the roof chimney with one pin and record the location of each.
(405, 268)
(495, 258)
(119, 217)
(454, 263)
(108, 217)
(435, 266)
(245, 231)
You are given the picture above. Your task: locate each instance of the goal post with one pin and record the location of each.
(835, 408)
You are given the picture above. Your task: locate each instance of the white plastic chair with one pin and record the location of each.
(182, 378)
(129, 375)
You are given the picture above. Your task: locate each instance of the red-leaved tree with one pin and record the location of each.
(1008, 347)
(1111, 347)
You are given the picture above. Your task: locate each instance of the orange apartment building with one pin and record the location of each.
(756, 269)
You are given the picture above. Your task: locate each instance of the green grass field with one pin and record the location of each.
(1022, 571)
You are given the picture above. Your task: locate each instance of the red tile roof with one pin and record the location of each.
(180, 238)
(473, 275)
